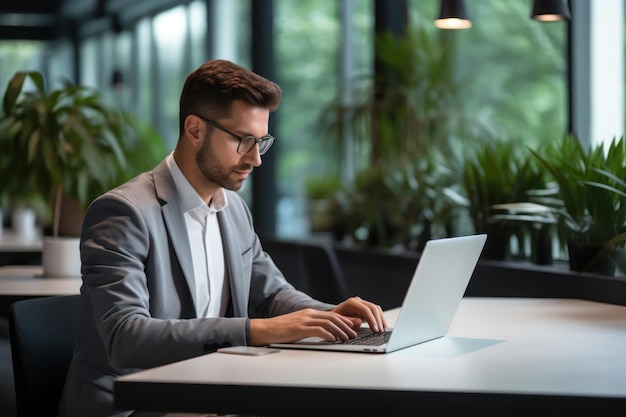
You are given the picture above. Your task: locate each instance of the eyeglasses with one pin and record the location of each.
(246, 143)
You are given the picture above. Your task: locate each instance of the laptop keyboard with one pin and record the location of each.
(372, 339)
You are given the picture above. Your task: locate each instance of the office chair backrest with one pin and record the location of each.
(311, 267)
(42, 332)
(325, 275)
(377, 275)
(288, 258)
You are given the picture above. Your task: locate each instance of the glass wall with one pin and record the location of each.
(122, 76)
(308, 45)
(513, 70)
(20, 56)
(145, 96)
(58, 63)
(197, 32)
(89, 61)
(171, 44)
(525, 101)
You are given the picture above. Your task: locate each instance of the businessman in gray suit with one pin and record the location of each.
(171, 265)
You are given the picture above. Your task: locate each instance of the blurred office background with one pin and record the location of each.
(524, 80)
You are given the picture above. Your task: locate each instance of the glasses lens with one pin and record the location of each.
(248, 142)
(265, 143)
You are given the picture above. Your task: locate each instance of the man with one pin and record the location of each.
(171, 265)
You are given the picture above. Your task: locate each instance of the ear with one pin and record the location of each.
(195, 130)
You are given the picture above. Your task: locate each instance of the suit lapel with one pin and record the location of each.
(238, 288)
(174, 220)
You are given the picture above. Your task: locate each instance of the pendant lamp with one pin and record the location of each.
(550, 10)
(453, 15)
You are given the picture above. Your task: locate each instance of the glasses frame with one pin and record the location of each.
(269, 139)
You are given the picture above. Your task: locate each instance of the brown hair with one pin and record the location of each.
(211, 89)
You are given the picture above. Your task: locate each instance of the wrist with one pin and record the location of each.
(256, 332)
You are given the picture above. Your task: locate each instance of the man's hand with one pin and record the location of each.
(339, 323)
(300, 324)
(359, 311)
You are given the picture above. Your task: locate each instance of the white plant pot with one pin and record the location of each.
(61, 257)
(24, 222)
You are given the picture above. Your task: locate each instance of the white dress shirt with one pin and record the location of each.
(212, 290)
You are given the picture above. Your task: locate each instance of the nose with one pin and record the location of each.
(253, 157)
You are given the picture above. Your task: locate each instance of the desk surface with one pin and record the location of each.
(12, 242)
(501, 353)
(25, 281)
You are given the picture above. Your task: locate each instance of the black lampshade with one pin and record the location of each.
(550, 10)
(117, 80)
(453, 15)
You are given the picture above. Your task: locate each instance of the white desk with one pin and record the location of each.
(21, 281)
(502, 356)
(12, 242)
(18, 250)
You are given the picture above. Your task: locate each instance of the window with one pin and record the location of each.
(170, 46)
(197, 18)
(60, 61)
(89, 62)
(20, 56)
(143, 75)
(308, 36)
(527, 101)
(514, 68)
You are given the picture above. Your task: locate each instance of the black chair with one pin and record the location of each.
(311, 267)
(42, 332)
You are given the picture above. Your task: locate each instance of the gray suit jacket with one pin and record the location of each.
(138, 306)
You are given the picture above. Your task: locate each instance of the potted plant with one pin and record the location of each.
(19, 202)
(23, 208)
(532, 219)
(320, 191)
(496, 174)
(61, 144)
(400, 118)
(400, 204)
(409, 106)
(591, 200)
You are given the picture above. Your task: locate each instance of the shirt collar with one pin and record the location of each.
(190, 199)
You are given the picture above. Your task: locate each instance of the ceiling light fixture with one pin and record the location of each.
(453, 15)
(550, 10)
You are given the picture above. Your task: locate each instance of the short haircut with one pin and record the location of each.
(211, 90)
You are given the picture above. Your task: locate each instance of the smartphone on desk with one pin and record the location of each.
(248, 350)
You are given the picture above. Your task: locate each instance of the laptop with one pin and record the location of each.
(430, 303)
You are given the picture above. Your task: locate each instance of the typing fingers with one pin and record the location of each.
(364, 310)
(330, 326)
(374, 316)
